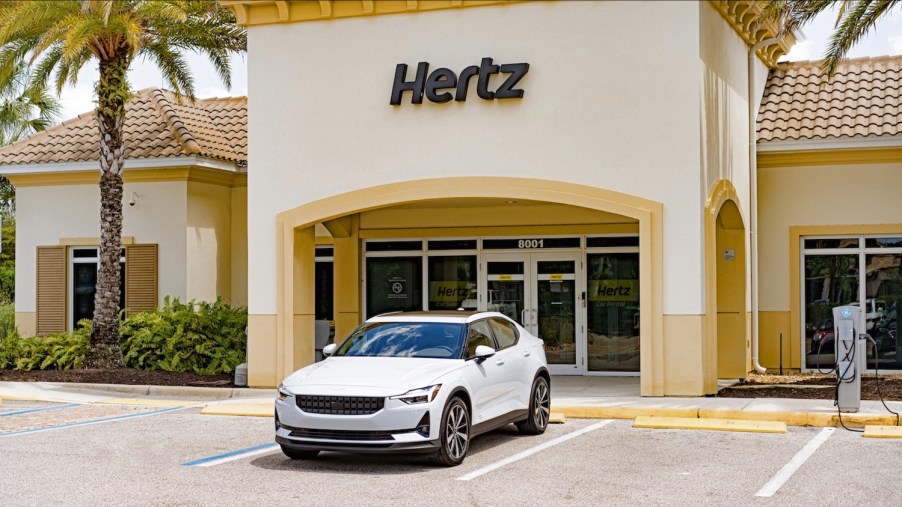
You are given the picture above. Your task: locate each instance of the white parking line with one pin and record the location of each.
(529, 452)
(797, 461)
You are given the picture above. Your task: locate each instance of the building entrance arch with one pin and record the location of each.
(293, 345)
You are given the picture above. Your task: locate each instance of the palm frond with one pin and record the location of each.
(175, 69)
(854, 25)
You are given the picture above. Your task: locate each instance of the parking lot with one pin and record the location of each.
(170, 455)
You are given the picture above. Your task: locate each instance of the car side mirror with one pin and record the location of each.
(329, 349)
(483, 352)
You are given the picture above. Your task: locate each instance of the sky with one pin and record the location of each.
(885, 39)
(80, 98)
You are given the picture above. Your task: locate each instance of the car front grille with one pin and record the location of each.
(340, 405)
(345, 434)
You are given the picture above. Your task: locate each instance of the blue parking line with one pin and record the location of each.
(247, 450)
(42, 409)
(89, 422)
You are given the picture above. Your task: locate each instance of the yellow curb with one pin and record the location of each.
(871, 431)
(239, 409)
(583, 412)
(17, 397)
(790, 418)
(557, 418)
(147, 402)
(710, 424)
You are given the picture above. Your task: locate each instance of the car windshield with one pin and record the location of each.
(442, 340)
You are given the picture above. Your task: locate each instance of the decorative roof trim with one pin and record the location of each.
(266, 12)
(830, 144)
(829, 157)
(744, 17)
(130, 164)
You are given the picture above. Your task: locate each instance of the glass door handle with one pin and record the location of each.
(523, 316)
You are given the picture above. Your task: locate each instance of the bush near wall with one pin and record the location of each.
(205, 338)
(202, 337)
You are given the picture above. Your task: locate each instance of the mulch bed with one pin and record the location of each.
(128, 376)
(812, 387)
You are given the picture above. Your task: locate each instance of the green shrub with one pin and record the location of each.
(7, 319)
(202, 337)
(58, 351)
(9, 349)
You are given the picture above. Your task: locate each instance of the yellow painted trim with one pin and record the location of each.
(126, 240)
(54, 179)
(872, 431)
(553, 418)
(795, 261)
(721, 192)
(769, 159)
(499, 231)
(264, 12)
(196, 174)
(686, 423)
(648, 213)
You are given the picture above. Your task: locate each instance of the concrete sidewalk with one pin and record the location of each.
(576, 397)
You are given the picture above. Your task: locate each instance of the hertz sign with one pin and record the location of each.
(438, 85)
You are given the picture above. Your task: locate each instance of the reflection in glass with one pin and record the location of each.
(831, 243)
(883, 276)
(324, 293)
(830, 281)
(556, 310)
(506, 289)
(452, 283)
(613, 312)
(393, 284)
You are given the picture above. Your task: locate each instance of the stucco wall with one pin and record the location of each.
(209, 242)
(45, 214)
(801, 196)
(612, 100)
(239, 246)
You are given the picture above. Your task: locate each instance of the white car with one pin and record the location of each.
(417, 382)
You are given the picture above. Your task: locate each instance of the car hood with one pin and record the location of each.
(369, 376)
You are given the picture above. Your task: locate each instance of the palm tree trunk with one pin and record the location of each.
(112, 94)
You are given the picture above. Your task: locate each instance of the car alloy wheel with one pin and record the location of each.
(454, 437)
(539, 408)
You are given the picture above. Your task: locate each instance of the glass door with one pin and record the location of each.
(555, 318)
(506, 288)
(540, 292)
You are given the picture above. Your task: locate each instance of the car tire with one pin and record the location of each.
(454, 434)
(539, 408)
(298, 454)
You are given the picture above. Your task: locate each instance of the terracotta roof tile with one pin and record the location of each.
(861, 101)
(156, 125)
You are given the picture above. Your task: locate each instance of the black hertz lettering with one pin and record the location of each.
(614, 291)
(437, 86)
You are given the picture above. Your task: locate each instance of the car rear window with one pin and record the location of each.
(505, 334)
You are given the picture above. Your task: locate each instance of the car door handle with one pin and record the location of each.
(499, 362)
(526, 354)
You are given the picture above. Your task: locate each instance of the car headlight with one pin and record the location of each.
(283, 393)
(420, 395)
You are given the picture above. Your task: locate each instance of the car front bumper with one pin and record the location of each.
(395, 428)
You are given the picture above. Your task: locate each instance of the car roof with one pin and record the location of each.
(460, 316)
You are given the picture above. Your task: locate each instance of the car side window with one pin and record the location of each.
(479, 334)
(505, 333)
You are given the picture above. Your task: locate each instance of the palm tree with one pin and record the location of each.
(60, 37)
(854, 19)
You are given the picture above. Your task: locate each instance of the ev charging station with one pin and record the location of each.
(849, 344)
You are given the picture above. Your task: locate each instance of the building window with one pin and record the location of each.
(393, 284)
(844, 271)
(452, 282)
(83, 285)
(324, 280)
(612, 305)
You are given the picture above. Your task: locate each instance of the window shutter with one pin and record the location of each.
(140, 278)
(51, 289)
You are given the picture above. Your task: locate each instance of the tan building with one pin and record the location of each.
(185, 228)
(583, 167)
(830, 181)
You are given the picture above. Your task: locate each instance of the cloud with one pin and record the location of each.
(896, 43)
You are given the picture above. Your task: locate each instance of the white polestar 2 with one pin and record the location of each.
(417, 382)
